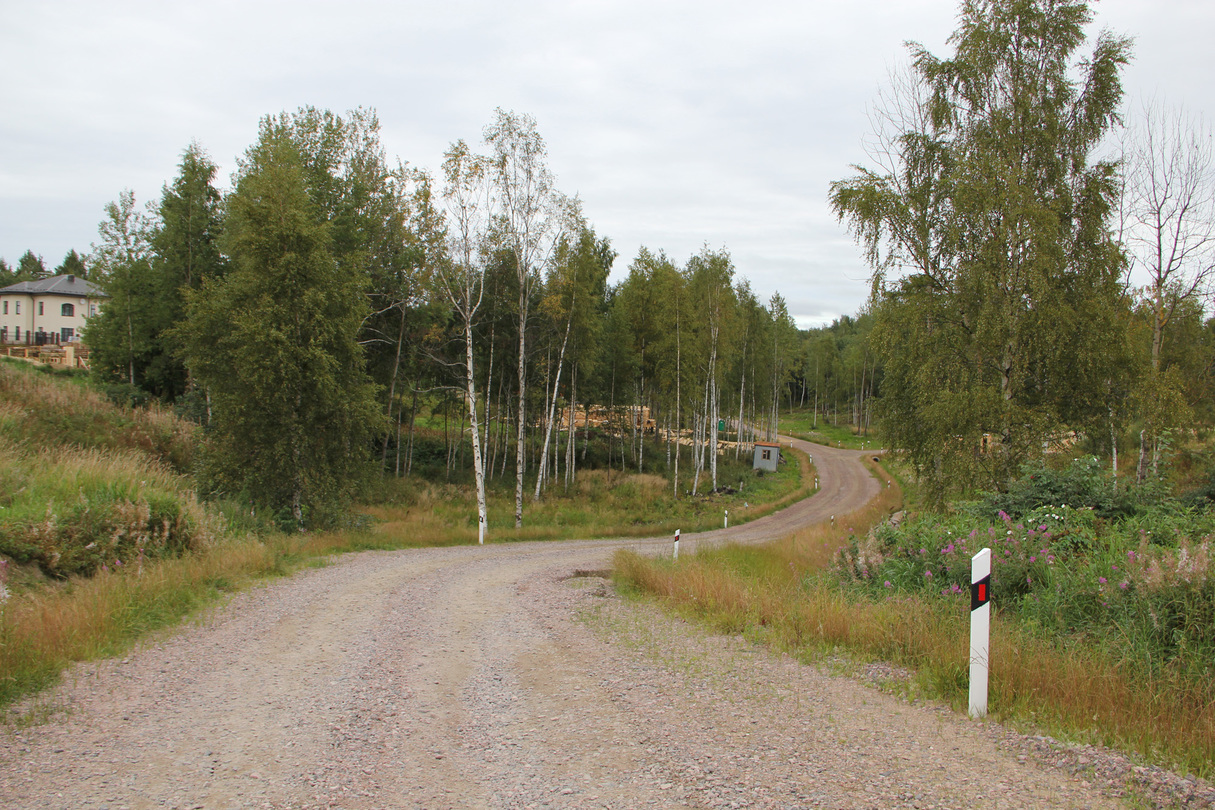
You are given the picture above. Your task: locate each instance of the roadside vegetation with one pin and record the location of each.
(1104, 602)
(103, 539)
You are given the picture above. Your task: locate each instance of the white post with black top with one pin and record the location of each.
(980, 630)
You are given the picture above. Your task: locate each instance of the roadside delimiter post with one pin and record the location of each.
(676, 555)
(980, 630)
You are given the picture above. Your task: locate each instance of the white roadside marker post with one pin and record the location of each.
(726, 523)
(676, 557)
(980, 630)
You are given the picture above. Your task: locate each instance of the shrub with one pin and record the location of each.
(1083, 484)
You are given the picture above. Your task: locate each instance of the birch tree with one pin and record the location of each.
(1169, 210)
(462, 279)
(987, 225)
(524, 188)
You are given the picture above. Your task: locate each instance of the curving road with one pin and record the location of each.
(487, 677)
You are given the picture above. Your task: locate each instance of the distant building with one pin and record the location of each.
(51, 310)
(767, 456)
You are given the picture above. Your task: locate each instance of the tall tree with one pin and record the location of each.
(1169, 221)
(275, 342)
(462, 279)
(995, 221)
(573, 303)
(122, 336)
(72, 265)
(30, 267)
(185, 242)
(524, 186)
(710, 276)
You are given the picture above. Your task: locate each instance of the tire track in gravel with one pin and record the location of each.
(461, 677)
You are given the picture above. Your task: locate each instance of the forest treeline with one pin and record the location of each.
(329, 305)
(318, 314)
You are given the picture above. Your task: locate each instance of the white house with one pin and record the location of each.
(51, 310)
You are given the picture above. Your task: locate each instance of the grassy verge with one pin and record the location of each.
(803, 425)
(600, 503)
(47, 623)
(1075, 687)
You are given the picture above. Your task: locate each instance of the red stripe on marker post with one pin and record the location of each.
(980, 630)
(980, 592)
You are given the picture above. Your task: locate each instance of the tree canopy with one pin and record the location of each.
(996, 277)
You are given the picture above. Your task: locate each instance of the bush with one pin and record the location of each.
(1084, 484)
(77, 511)
(1142, 586)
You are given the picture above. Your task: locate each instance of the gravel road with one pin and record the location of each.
(491, 677)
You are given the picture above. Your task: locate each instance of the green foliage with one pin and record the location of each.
(274, 344)
(1009, 319)
(85, 484)
(1083, 485)
(72, 265)
(30, 267)
(145, 266)
(1134, 579)
(122, 336)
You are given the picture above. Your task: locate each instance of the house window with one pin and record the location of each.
(18, 335)
(66, 334)
(18, 306)
(40, 312)
(68, 311)
(767, 455)
(6, 307)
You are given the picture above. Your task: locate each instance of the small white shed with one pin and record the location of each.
(767, 455)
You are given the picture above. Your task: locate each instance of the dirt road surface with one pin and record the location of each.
(489, 677)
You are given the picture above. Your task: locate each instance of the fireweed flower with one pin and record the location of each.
(887, 584)
(1102, 580)
(927, 575)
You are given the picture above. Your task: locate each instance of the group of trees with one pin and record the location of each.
(311, 314)
(1000, 296)
(32, 268)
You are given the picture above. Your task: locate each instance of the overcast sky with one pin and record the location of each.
(679, 124)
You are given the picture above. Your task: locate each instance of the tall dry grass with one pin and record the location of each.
(784, 594)
(43, 630)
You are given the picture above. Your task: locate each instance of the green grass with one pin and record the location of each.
(600, 503)
(801, 424)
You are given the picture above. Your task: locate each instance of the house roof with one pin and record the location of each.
(766, 444)
(56, 285)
